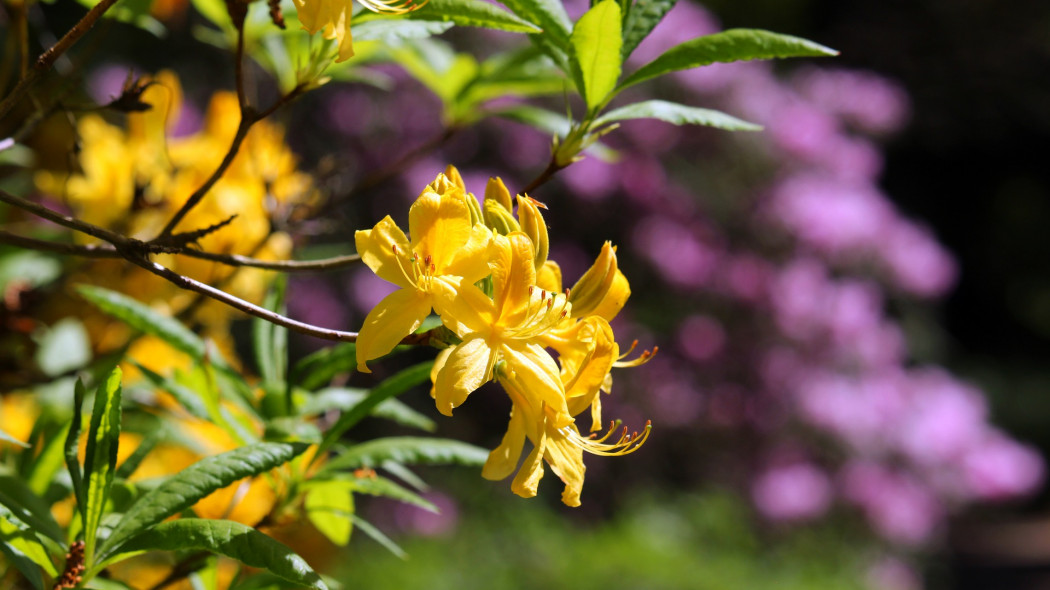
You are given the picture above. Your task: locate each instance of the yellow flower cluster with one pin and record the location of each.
(485, 272)
(133, 181)
(332, 18)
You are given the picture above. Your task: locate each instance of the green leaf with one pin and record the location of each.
(215, 11)
(231, 539)
(381, 486)
(100, 461)
(725, 47)
(319, 368)
(378, 536)
(548, 15)
(70, 450)
(47, 463)
(395, 385)
(596, 42)
(62, 347)
(291, 429)
(554, 124)
(21, 506)
(678, 114)
(338, 398)
(394, 30)
(473, 13)
(189, 399)
(409, 450)
(329, 506)
(143, 318)
(186, 487)
(270, 340)
(128, 467)
(13, 546)
(640, 20)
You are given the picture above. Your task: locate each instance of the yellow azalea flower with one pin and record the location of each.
(561, 447)
(445, 252)
(332, 17)
(503, 328)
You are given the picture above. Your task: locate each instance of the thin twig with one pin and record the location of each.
(236, 260)
(47, 59)
(552, 168)
(137, 252)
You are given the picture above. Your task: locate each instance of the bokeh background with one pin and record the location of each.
(852, 306)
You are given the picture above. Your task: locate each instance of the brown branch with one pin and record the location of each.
(236, 260)
(48, 58)
(137, 252)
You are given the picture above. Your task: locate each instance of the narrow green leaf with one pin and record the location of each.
(291, 429)
(548, 15)
(329, 506)
(378, 536)
(408, 450)
(20, 505)
(679, 114)
(596, 42)
(189, 399)
(318, 368)
(232, 539)
(473, 13)
(143, 318)
(70, 451)
(100, 461)
(640, 20)
(339, 398)
(393, 30)
(128, 467)
(11, 549)
(405, 474)
(395, 385)
(381, 486)
(270, 340)
(727, 46)
(47, 463)
(185, 488)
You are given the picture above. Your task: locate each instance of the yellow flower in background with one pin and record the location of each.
(332, 18)
(505, 328)
(446, 253)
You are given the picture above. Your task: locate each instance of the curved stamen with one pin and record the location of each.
(410, 277)
(643, 358)
(626, 444)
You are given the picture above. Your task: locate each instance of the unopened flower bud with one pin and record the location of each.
(497, 191)
(499, 218)
(532, 223)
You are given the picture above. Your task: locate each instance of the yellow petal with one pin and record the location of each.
(548, 277)
(471, 260)
(504, 458)
(615, 298)
(333, 16)
(453, 176)
(467, 367)
(592, 287)
(588, 373)
(396, 316)
(463, 308)
(439, 363)
(512, 275)
(536, 376)
(376, 248)
(527, 481)
(439, 225)
(532, 223)
(566, 461)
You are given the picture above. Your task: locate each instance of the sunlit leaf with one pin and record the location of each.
(232, 539)
(329, 506)
(100, 461)
(596, 42)
(640, 20)
(727, 46)
(677, 114)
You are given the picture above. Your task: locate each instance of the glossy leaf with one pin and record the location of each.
(725, 47)
(640, 20)
(473, 13)
(100, 461)
(596, 42)
(21, 506)
(548, 15)
(409, 450)
(186, 487)
(677, 114)
(232, 539)
(12, 547)
(329, 506)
